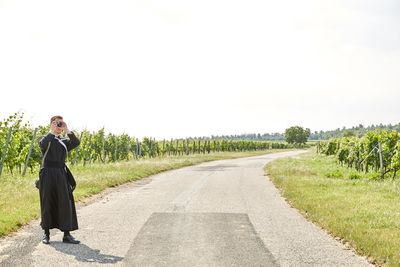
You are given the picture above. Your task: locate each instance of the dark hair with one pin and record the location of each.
(55, 118)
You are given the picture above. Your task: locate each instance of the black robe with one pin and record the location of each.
(56, 200)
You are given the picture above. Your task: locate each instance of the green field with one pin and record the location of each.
(19, 199)
(363, 212)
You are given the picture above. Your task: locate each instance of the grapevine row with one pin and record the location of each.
(377, 151)
(101, 147)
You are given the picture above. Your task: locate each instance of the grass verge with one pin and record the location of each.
(19, 199)
(363, 212)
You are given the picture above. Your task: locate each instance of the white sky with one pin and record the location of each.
(182, 68)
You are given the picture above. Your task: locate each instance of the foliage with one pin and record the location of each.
(297, 135)
(359, 131)
(97, 146)
(362, 154)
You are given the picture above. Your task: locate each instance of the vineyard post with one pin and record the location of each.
(116, 151)
(380, 160)
(157, 147)
(153, 148)
(134, 152)
(137, 148)
(77, 151)
(30, 151)
(103, 151)
(5, 149)
(150, 148)
(87, 151)
(167, 148)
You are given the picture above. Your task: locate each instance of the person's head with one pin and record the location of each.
(56, 124)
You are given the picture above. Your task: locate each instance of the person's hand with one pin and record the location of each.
(65, 127)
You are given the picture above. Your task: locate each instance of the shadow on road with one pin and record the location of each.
(84, 253)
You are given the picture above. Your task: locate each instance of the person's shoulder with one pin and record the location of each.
(48, 134)
(45, 135)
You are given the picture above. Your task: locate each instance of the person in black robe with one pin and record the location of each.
(57, 204)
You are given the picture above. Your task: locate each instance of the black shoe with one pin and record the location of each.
(46, 239)
(70, 239)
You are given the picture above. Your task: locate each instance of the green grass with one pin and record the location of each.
(19, 199)
(362, 211)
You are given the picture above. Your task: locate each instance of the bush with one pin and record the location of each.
(354, 175)
(334, 174)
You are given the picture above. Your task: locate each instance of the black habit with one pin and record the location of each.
(56, 200)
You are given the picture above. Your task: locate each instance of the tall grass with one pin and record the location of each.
(363, 212)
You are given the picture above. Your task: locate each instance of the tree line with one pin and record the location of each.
(358, 131)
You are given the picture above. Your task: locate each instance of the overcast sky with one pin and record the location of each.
(193, 68)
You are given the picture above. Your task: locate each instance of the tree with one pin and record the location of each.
(297, 135)
(348, 133)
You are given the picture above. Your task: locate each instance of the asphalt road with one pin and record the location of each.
(222, 213)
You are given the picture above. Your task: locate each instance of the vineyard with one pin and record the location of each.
(377, 151)
(20, 150)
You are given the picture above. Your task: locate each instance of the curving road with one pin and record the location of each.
(221, 213)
